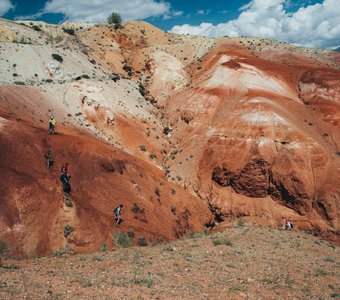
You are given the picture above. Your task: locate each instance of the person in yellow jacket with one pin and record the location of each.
(51, 125)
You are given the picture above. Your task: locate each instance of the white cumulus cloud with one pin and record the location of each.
(173, 14)
(316, 25)
(94, 11)
(5, 6)
(203, 12)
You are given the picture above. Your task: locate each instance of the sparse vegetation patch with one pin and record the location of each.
(142, 241)
(36, 28)
(217, 241)
(68, 229)
(3, 250)
(70, 31)
(57, 57)
(122, 240)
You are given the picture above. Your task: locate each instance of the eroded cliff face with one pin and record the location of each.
(185, 132)
(263, 129)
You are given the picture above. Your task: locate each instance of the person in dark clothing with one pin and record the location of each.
(65, 180)
(49, 160)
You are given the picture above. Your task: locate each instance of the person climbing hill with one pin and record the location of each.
(51, 125)
(289, 225)
(65, 180)
(49, 160)
(117, 212)
(64, 168)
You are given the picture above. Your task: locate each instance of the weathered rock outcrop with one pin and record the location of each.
(259, 136)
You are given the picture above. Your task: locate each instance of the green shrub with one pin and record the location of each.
(158, 191)
(36, 28)
(131, 233)
(122, 240)
(321, 272)
(3, 250)
(221, 241)
(142, 148)
(70, 31)
(240, 223)
(103, 248)
(84, 283)
(157, 241)
(153, 155)
(193, 234)
(142, 242)
(136, 209)
(143, 281)
(19, 83)
(335, 295)
(116, 19)
(166, 130)
(115, 77)
(69, 202)
(97, 258)
(68, 229)
(206, 231)
(141, 90)
(22, 40)
(127, 68)
(10, 267)
(57, 57)
(62, 251)
(328, 258)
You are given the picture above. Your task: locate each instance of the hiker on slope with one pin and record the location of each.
(51, 125)
(48, 156)
(64, 169)
(65, 179)
(287, 225)
(117, 212)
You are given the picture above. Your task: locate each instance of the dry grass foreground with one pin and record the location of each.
(240, 263)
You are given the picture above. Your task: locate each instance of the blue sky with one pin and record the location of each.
(194, 11)
(286, 20)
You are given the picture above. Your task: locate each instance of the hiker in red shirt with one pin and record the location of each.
(64, 169)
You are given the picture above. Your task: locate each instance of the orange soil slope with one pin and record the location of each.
(33, 211)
